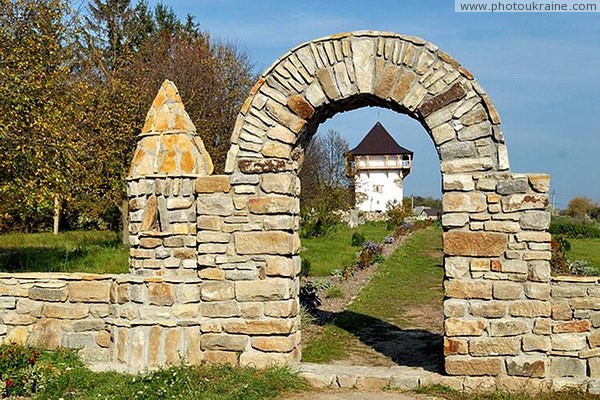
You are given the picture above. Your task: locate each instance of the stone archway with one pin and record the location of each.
(495, 244)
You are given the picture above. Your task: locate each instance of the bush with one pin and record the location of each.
(18, 374)
(581, 267)
(357, 239)
(563, 244)
(558, 261)
(573, 229)
(316, 223)
(370, 254)
(396, 213)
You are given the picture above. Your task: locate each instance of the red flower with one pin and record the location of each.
(9, 383)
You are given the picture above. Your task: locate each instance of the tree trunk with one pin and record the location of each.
(125, 222)
(56, 214)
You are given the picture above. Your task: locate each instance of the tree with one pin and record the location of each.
(38, 149)
(580, 207)
(323, 174)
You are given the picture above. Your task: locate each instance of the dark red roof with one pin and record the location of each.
(378, 142)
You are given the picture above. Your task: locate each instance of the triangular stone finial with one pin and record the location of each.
(169, 144)
(167, 113)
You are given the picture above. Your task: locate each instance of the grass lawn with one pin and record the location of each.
(404, 294)
(75, 251)
(585, 249)
(59, 374)
(334, 251)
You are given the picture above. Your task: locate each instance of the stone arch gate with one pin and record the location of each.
(214, 258)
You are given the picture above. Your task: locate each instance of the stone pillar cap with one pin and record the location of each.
(169, 144)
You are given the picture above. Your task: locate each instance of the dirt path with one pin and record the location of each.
(411, 338)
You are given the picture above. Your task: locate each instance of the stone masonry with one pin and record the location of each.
(214, 258)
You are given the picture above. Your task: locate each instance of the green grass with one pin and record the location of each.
(75, 251)
(59, 374)
(585, 249)
(412, 276)
(335, 251)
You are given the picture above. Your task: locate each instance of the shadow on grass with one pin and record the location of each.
(405, 347)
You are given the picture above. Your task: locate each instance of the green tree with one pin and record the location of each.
(38, 149)
(581, 207)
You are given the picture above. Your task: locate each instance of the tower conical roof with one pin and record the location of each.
(378, 142)
(169, 144)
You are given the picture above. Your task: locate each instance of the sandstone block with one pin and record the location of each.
(535, 220)
(260, 360)
(456, 267)
(220, 357)
(271, 242)
(542, 326)
(518, 202)
(46, 334)
(465, 289)
(504, 290)
(442, 134)
(537, 291)
(220, 309)
(454, 346)
(488, 309)
(92, 292)
(280, 344)
(52, 293)
(161, 294)
(216, 274)
(536, 343)
(528, 366)
(502, 226)
(220, 204)
(562, 311)
(280, 266)
(572, 327)
(209, 223)
(508, 327)
(283, 183)
(455, 308)
(568, 341)
(495, 346)
(464, 327)
(217, 291)
(473, 366)
(566, 366)
(461, 243)
(17, 336)
(282, 309)
(273, 204)
(539, 271)
(224, 342)
(279, 222)
(464, 202)
(530, 308)
(213, 184)
(263, 290)
(261, 327)
(540, 182)
(65, 311)
(455, 220)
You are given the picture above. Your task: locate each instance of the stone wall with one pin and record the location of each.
(214, 258)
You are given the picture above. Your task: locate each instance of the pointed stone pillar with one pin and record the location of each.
(162, 202)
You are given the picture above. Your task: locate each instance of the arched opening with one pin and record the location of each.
(383, 310)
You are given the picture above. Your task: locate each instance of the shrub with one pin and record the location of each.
(18, 372)
(573, 229)
(563, 244)
(316, 223)
(357, 239)
(558, 261)
(370, 253)
(396, 213)
(581, 267)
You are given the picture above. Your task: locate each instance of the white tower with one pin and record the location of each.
(379, 166)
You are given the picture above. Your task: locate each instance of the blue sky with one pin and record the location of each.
(542, 71)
